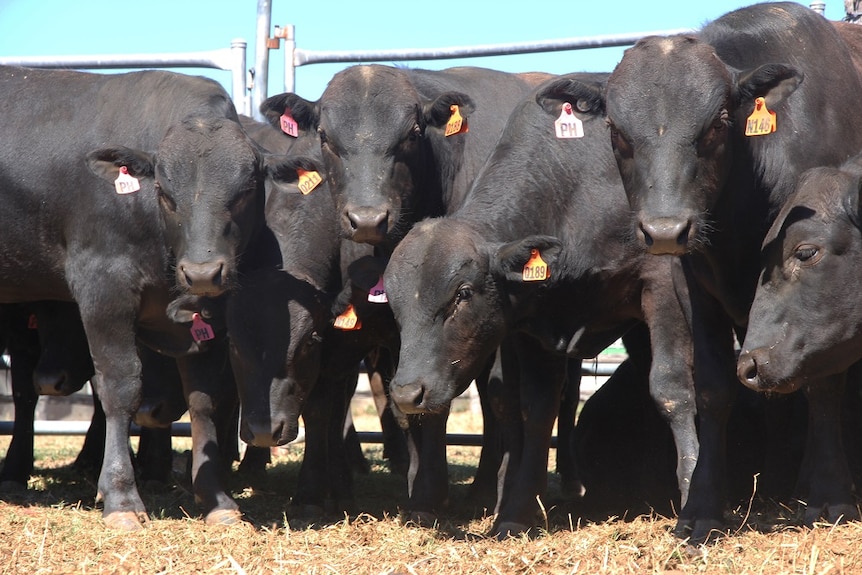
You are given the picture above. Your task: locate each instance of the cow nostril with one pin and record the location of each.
(682, 238)
(747, 369)
(647, 237)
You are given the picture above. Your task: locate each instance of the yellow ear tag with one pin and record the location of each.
(348, 321)
(761, 121)
(536, 270)
(456, 123)
(308, 181)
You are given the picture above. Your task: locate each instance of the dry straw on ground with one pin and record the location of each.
(53, 528)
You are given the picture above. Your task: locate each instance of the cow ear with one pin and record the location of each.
(284, 171)
(106, 162)
(510, 258)
(302, 110)
(437, 112)
(587, 97)
(773, 82)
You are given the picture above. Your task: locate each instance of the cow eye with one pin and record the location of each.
(620, 143)
(807, 254)
(415, 133)
(165, 199)
(321, 133)
(464, 294)
(714, 134)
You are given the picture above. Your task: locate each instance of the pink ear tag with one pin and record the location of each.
(288, 124)
(125, 182)
(568, 125)
(377, 294)
(201, 330)
(32, 323)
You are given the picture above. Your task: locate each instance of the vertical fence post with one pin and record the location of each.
(239, 88)
(261, 57)
(289, 63)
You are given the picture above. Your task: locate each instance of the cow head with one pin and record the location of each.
(65, 364)
(209, 178)
(374, 129)
(805, 321)
(675, 110)
(275, 321)
(452, 295)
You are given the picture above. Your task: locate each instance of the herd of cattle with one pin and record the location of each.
(445, 227)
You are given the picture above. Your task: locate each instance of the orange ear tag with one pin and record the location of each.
(761, 121)
(535, 270)
(348, 321)
(308, 181)
(568, 125)
(201, 330)
(456, 123)
(125, 182)
(288, 124)
(377, 294)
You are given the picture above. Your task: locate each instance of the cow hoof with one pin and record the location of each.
(832, 514)
(224, 517)
(699, 531)
(421, 519)
(507, 529)
(572, 490)
(126, 520)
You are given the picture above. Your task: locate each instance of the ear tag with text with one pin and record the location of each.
(308, 181)
(568, 125)
(377, 294)
(201, 330)
(456, 124)
(761, 121)
(535, 270)
(288, 124)
(32, 322)
(348, 321)
(125, 182)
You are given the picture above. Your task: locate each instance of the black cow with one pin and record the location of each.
(801, 331)
(122, 257)
(392, 155)
(49, 356)
(460, 286)
(679, 109)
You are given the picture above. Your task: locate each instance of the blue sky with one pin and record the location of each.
(52, 27)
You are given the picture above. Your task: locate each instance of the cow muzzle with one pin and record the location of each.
(53, 383)
(278, 433)
(203, 279)
(755, 370)
(367, 225)
(666, 236)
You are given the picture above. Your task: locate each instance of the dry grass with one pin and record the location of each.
(53, 528)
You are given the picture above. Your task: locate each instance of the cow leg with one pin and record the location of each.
(379, 366)
(540, 384)
(18, 465)
(313, 484)
(428, 476)
(93, 451)
(205, 376)
(567, 463)
(824, 469)
(483, 490)
(702, 516)
(155, 456)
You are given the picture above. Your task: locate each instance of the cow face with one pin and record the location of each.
(209, 180)
(373, 129)
(275, 322)
(674, 109)
(452, 295)
(805, 321)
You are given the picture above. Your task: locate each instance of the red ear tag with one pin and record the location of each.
(288, 124)
(201, 330)
(456, 124)
(761, 121)
(535, 270)
(377, 294)
(568, 125)
(31, 322)
(125, 182)
(348, 321)
(307, 181)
